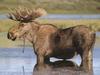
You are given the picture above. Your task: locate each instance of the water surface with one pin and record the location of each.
(13, 61)
(64, 16)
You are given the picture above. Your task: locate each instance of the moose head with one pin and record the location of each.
(26, 18)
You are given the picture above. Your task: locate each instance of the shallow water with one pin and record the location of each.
(64, 16)
(14, 61)
(72, 16)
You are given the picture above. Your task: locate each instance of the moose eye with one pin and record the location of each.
(22, 25)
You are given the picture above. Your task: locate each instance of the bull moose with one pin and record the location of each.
(50, 41)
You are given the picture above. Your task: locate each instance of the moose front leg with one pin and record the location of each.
(40, 59)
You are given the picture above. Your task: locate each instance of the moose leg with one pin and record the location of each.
(41, 62)
(86, 63)
(40, 59)
(47, 59)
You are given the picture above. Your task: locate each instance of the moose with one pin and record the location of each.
(50, 41)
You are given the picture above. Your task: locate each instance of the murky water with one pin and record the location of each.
(14, 62)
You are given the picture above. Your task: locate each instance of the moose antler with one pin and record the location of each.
(26, 15)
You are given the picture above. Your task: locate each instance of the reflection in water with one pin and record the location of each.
(60, 68)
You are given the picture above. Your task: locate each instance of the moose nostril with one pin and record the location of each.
(9, 35)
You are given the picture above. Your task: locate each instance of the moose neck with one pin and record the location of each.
(31, 36)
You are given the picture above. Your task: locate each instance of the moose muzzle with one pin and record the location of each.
(11, 36)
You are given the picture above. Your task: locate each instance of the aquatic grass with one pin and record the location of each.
(6, 24)
(94, 24)
(70, 7)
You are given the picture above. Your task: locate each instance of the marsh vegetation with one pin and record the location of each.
(55, 6)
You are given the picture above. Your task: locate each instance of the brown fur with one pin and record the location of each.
(49, 41)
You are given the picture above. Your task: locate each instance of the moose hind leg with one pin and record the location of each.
(86, 62)
(47, 59)
(87, 53)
